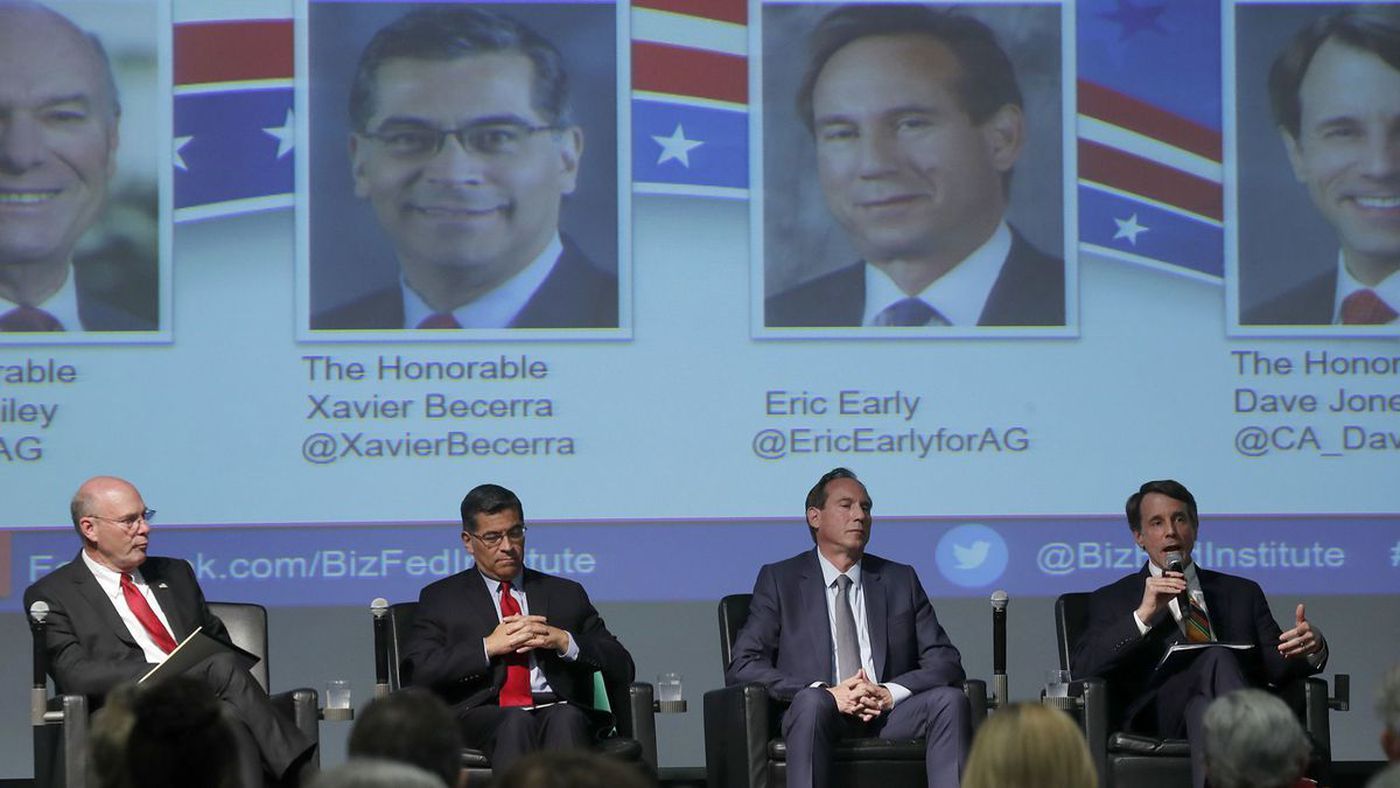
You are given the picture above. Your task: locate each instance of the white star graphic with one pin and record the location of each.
(676, 147)
(176, 158)
(285, 134)
(1130, 229)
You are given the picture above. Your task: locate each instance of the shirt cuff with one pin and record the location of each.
(570, 654)
(1142, 628)
(898, 692)
(1319, 657)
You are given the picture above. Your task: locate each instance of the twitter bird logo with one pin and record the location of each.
(971, 556)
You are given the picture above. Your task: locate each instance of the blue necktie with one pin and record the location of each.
(910, 312)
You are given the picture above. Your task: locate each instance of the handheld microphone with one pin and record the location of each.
(379, 608)
(38, 694)
(1176, 563)
(999, 682)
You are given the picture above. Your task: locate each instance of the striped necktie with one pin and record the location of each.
(1194, 620)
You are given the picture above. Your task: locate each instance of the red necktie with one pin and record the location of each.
(440, 320)
(516, 690)
(146, 615)
(1365, 308)
(28, 318)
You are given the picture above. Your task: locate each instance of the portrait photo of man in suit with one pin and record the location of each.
(1334, 92)
(850, 642)
(463, 142)
(1171, 600)
(60, 118)
(916, 120)
(115, 613)
(511, 650)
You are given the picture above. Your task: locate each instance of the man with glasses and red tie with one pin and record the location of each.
(512, 651)
(462, 143)
(1133, 622)
(115, 613)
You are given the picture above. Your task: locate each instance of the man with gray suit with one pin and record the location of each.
(851, 642)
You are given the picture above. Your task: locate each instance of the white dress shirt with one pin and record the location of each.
(496, 307)
(1388, 289)
(111, 583)
(857, 598)
(959, 295)
(63, 304)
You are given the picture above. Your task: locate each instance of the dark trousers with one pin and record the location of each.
(507, 734)
(941, 716)
(268, 741)
(1178, 708)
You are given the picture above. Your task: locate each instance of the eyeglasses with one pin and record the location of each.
(493, 138)
(130, 521)
(516, 535)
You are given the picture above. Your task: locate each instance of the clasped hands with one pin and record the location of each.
(860, 697)
(519, 634)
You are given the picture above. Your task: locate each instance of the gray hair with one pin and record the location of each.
(1388, 700)
(376, 773)
(1253, 740)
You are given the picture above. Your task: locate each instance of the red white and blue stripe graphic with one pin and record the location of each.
(690, 97)
(234, 125)
(1149, 142)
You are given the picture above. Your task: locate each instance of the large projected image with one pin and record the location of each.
(1072, 235)
(84, 241)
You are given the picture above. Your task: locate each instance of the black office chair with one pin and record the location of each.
(1138, 761)
(743, 744)
(631, 704)
(61, 722)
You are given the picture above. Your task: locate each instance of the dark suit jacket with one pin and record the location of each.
(1030, 291)
(576, 294)
(1308, 304)
(102, 307)
(785, 644)
(445, 652)
(90, 650)
(1113, 650)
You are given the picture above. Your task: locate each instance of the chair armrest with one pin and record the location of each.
(976, 691)
(736, 737)
(60, 746)
(1316, 713)
(300, 705)
(640, 720)
(1094, 720)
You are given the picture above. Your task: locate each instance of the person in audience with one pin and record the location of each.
(1026, 745)
(180, 737)
(1388, 706)
(573, 769)
(376, 773)
(412, 726)
(1253, 740)
(110, 728)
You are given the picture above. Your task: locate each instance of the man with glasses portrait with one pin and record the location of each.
(115, 613)
(463, 144)
(511, 650)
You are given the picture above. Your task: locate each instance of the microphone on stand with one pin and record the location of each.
(379, 608)
(38, 694)
(999, 684)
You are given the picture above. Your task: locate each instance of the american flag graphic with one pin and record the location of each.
(1149, 139)
(233, 118)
